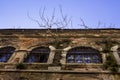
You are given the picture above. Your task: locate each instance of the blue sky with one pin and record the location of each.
(13, 13)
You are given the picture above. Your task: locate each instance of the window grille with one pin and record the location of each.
(6, 53)
(39, 54)
(83, 55)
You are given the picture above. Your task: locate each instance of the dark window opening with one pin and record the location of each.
(39, 54)
(84, 55)
(6, 53)
(118, 50)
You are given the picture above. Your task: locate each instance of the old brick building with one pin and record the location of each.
(69, 54)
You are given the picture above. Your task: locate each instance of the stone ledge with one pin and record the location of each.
(60, 71)
(54, 68)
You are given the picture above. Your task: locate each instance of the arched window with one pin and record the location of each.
(83, 55)
(6, 53)
(39, 54)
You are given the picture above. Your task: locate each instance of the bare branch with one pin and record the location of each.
(52, 22)
(83, 24)
(42, 17)
(104, 25)
(99, 24)
(40, 25)
(53, 16)
(71, 23)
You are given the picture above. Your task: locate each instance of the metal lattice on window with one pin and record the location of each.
(83, 55)
(39, 54)
(6, 53)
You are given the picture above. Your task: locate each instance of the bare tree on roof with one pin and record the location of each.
(53, 22)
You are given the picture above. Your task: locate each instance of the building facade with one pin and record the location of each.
(74, 54)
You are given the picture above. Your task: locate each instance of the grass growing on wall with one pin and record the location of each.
(111, 63)
(20, 66)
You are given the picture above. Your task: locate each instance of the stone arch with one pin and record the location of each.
(35, 46)
(83, 54)
(89, 45)
(6, 52)
(38, 54)
(15, 46)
